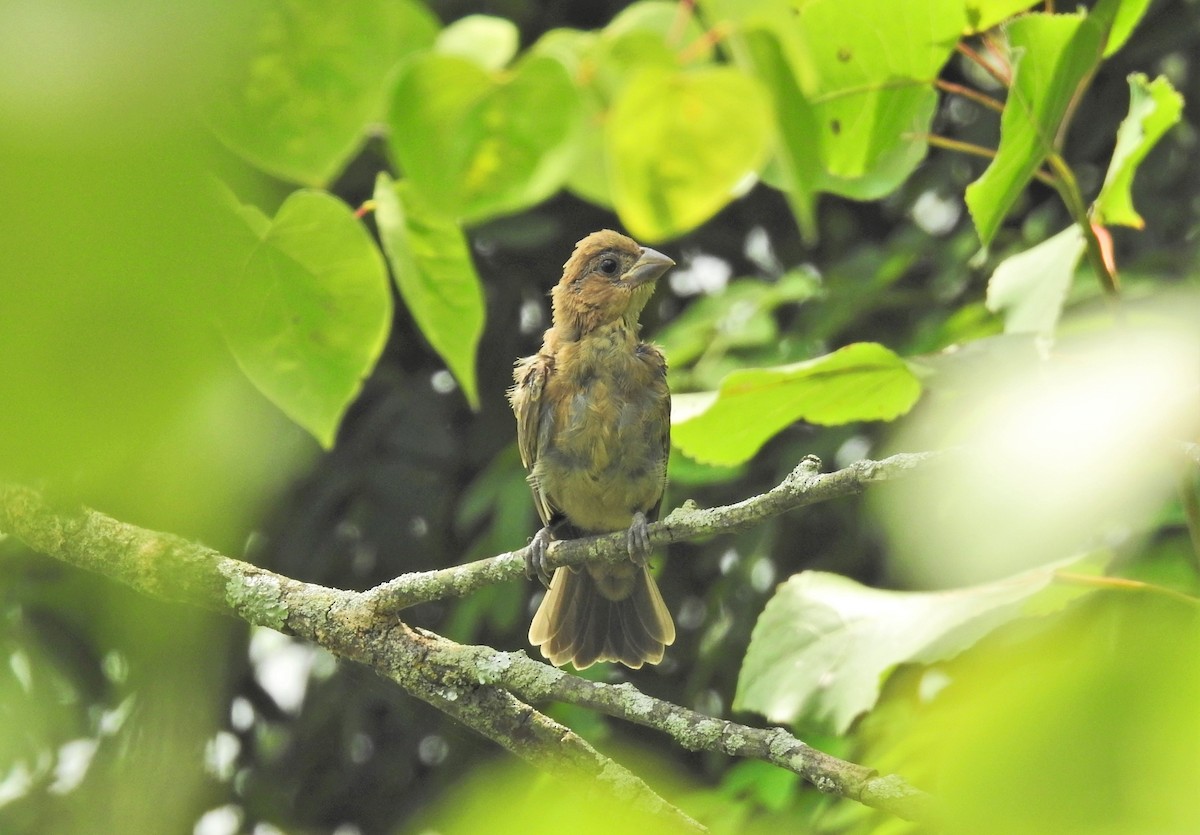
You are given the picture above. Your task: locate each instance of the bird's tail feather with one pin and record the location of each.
(578, 623)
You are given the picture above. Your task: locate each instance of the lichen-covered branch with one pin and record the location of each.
(486, 689)
(534, 681)
(805, 485)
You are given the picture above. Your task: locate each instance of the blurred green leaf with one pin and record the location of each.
(431, 263)
(984, 14)
(1053, 56)
(491, 42)
(639, 37)
(477, 146)
(680, 144)
(299, 103)
(824, 644)
(739, 316)
(797, 150)
(1154, 108)
(769, 786)
(310, 310)
(863, 381)
(1031, 286)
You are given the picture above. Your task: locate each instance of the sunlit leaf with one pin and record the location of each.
(477, 146)
(310, 310)
(1154, 108)
(431, 263)
(1126, 15)
(1053, 55)
(824, 644)
(680, 144)
(863, 381)
(491, 42)
(1031, 286)
(984, 14)
(298, 105)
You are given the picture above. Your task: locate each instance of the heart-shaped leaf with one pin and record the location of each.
(680, 144)
(309, 313)
(477, 146)
(298, 105)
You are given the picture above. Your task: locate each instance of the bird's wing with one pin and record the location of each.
(662, 413)
(530, 377)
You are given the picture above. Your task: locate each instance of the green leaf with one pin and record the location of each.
(824, 644)
(431, 263)
(491, 42)
(738, 317)
(874, 63)
(1126, 15)
(476, 146)
(297, 107)
(1031, 286)
(680, 144)
(852, 88)
(1154, 108)
(797, 148)
(863, 381)
(984, 14)
(309, 313)
(1053, 56)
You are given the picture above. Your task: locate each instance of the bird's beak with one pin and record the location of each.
(649, 267)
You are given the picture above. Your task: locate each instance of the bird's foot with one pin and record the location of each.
(535, 557)
(637, 539)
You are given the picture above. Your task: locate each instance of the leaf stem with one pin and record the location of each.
(1068, 189)
(683, 13)
(974, 95)
(975, 151)
(365, 209)
(707, 41)
(1123, 584)
(1001, 76)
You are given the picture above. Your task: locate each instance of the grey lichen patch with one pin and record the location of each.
(636, 702)
(257, 598)
(491, 666)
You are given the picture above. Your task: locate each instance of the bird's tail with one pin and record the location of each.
(602, 613)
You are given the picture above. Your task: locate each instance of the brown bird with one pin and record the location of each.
(593, 426)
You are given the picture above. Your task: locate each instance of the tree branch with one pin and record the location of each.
(805, 485)
(484, 688)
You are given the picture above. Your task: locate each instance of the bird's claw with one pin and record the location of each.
(637, 539)
(535, 557)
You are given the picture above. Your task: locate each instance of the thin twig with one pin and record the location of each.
(1068, 190)
(968, 93)
(1004, 79)
(1123, 584)
(976, 151)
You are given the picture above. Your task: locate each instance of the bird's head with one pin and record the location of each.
(608, 278)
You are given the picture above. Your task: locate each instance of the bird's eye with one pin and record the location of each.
(608, 266)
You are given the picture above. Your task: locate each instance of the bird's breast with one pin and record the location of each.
(603, 450)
